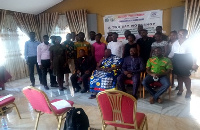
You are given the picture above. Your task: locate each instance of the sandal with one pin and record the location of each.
(92, 97)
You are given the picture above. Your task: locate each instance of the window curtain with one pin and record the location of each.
(11, 49)
(27, 23)
(77, 20)
(47, 23)
(192, 16)
(2, 17)
(62, 27)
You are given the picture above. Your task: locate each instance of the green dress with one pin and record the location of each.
(59, 59)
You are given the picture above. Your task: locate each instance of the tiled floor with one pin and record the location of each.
(175, 114)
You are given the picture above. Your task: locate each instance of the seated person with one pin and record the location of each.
(84, 66)
(131, 68)
(158, 67)
(105, 77)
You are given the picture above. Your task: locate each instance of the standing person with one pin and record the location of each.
(172, 38)
(131, 44)
(69, 45)
(108, 39)
(158, 67)
(30, 53)
(159, 43)
(98, 48)
(82, 44)
(183, 62)
(159, 30)
(84, 66)
(138, 36)
(126, 34)
(53, 40)
(77, 39)
(116, 47)
(73, 36)
(58, 56)
(145, 45)
(92, 37)
(132, 66)
(43, 59)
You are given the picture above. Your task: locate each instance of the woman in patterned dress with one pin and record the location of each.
(105, 77)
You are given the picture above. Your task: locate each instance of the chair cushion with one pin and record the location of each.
(7, 101)
(157, 84)
(139, 117)
(128, 81)
(60, 111)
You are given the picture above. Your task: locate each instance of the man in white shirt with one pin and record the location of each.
(92, 37)
(183, 62)
(43, 59)
(116, 47)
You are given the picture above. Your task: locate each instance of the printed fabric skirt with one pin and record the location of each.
(100, 81)
(182, 64)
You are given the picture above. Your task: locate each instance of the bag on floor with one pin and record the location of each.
(76, 119)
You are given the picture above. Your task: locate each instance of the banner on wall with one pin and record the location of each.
(121, 22)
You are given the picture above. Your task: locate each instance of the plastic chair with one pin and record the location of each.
(41, 104)
(130, 82)
(8, 102)
(119, 109)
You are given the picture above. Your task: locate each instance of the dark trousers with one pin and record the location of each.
(46, 68)
(84, 77)
(164, 80)
(186, 80)
(136, 82)
(32, 61)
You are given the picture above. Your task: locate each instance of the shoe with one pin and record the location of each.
(179, 93)
(46, 87)
(188, 94)
(151, 100)
(61, 88)
(76, 90)
(92, 97)
(84, 91)
(159, 101)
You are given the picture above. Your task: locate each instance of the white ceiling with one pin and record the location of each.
(28, 6)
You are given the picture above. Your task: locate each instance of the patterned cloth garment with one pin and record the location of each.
(101, 80)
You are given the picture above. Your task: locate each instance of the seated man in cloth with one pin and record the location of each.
(131, 68)
(158, 69)
(105, 77)
(84, 66)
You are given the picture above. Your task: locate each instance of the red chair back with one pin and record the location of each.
(38, 99)
(117, 107)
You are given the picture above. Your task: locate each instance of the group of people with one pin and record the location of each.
(106, 65)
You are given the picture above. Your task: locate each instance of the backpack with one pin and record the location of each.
(76, 119)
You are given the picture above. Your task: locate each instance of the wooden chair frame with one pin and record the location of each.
(140, 86)
(169, 89)
(115, 101)
(13, 105)
(59, 117)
